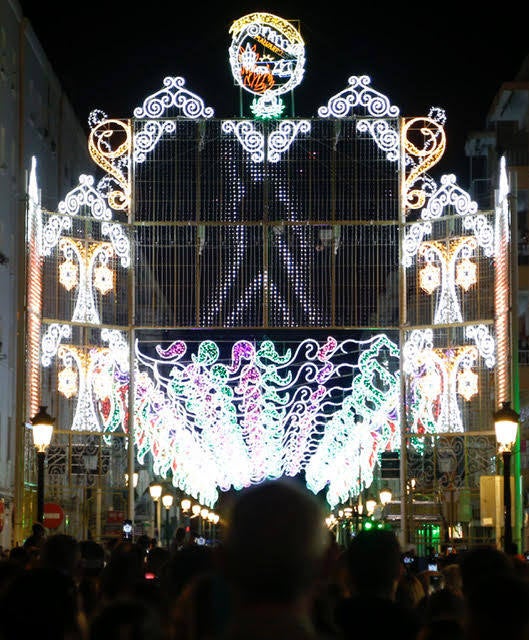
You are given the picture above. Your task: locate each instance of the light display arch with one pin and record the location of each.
(283, 296)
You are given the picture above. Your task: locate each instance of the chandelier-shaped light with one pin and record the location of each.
(269, 412)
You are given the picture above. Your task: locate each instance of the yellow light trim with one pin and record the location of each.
(99, 147)
(282, 25)
(431, 152)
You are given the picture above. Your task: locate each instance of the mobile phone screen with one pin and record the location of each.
(127, 530)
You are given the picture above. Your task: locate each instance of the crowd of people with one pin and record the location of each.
(278, 573)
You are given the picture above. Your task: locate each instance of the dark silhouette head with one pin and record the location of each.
(276, 544)
(92, 557)
(40, 603)
(124, 571)
(373, 562)
(497, 606)
(127, 619)
(62, 552)
(483, 562)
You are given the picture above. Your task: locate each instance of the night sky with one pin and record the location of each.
(111, 56)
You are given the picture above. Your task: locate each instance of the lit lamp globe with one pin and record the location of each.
(196, 508)
(204, 513)
(506, 426)
(385, 496)
(186, 505)
(156, 491)
(135, 476)
(371, 504)
(42, 427)
(167, 501)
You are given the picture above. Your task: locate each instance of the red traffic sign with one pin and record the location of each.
(53, 515)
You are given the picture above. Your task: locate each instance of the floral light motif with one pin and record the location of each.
(436, 376)
(447, 264)
(91, 271)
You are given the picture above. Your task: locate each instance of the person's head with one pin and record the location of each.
(127, 618)
(497, 606)
(123, 572)
(483, 562)
(373, 562)
(157, 558)
(444, 604)
(276, 544)
(92, 557)
(62, 552)
(38, 530)
(410, 590)
(452, 578)
(182, 567)
(41, 603)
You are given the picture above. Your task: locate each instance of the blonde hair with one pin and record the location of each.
(410, 590)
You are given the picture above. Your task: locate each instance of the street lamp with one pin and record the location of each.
(42, 424)
(134, 479)
(155, 490)
(186, 507)
(506, 427)
(167, 501)
(385, 498)
(371, 504)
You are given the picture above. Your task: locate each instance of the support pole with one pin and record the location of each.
(40, 485)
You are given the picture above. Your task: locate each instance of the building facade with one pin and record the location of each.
(36, 120)
(506, 133)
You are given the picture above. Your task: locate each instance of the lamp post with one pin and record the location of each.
(195, 510)
(155, 490)
(204, 515)
(42, 424)
(167, 501)
(506, 427)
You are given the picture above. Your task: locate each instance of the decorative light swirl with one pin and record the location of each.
(148, 137)
(51, 233)
(448, 194)
(412, 241)
(385, 136)
(484, 341)
(85, 195)
(253, 141)
(358, 94)
(281, 138)
(173, 95)
(120, 241)
(51, 341)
